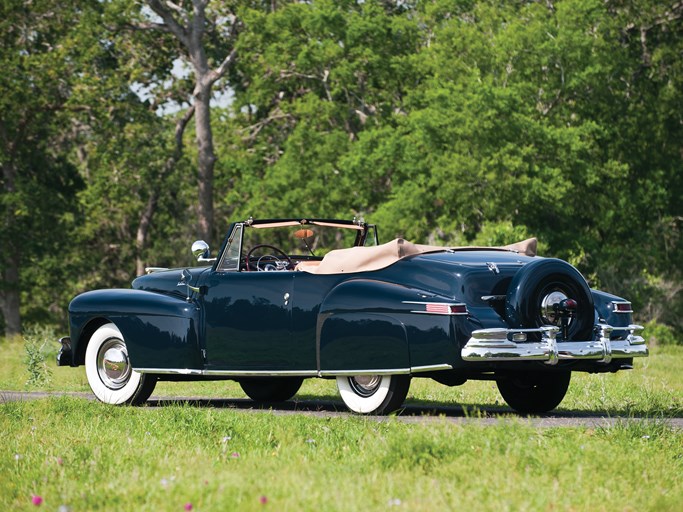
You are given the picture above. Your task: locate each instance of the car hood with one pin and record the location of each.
(166, 281)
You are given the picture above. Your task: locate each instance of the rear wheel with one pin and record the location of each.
(109, 370)
(534, 392)
(271, 389)
(373, 394)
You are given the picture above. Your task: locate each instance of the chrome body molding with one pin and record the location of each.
(353, 373)
(293, 373)
(431, 368)
(510, 345)
(151, 270)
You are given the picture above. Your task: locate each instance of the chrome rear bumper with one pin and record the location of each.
(511, 345)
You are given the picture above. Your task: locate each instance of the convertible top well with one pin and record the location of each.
(366, 259)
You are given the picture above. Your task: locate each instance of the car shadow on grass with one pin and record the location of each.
(331, 407)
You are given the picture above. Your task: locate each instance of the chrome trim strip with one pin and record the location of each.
(262, 373)
(228, 373)
(293, 373)
(170, 371)
(351, 373)
(431, 368)
(151, 270)
(495, 344)
(487, 298)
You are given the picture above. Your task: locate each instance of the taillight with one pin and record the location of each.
(622, 307)
(439, 308)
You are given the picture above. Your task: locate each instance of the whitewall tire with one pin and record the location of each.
(373, 394)
(109, 370)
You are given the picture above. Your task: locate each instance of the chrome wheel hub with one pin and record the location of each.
(365, 385)
(113, 365)
(548, 313)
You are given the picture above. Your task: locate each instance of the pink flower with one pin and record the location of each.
(36, 500)
(188, 506)
(263, 500)
(235, 455)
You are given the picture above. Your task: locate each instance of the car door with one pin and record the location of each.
(248, 323)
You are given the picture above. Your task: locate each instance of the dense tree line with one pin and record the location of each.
(128, 129)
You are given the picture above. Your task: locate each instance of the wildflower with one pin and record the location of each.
(235, 455)
(263, 500)
(226, 439)
(310, 441)
(60, 461)
(64, 508)
(17, 456)
(394, 502)
(164, 482)
(36, 500)
(188, 506)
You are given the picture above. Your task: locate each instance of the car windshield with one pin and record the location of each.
(299, 240)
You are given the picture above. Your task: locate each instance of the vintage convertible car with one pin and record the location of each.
(289, 299)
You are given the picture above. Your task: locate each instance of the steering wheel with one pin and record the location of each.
(277, 263)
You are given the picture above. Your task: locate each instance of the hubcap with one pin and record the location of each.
(365, 385)
(548, 313)
(113, 366)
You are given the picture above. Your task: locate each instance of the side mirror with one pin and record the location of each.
(200, 250)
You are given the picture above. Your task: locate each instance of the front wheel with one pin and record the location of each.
(373, 394)
(109, 371)
(534, 392)
(271, 389)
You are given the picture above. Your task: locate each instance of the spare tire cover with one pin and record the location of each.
(541, 283)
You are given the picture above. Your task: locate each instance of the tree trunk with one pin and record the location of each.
(206, 160)
(150, 208)
(143, 231)
(10, 297)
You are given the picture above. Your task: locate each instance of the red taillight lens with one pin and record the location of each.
(622, 307)
(458, 309)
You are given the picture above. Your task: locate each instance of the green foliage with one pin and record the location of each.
(470, 122)
(38, 345)
(661, 334)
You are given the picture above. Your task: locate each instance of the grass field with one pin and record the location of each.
(76, 454)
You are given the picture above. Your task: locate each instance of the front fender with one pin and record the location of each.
(160, 331)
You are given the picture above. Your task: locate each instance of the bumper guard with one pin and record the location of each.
(512, 345)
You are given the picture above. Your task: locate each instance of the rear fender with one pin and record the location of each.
(368, 325)
(160, 331)
(605, 312)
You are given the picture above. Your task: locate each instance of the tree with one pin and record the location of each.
(201, 34)
(39, 55)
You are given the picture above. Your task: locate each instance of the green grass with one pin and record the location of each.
(89, 456)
